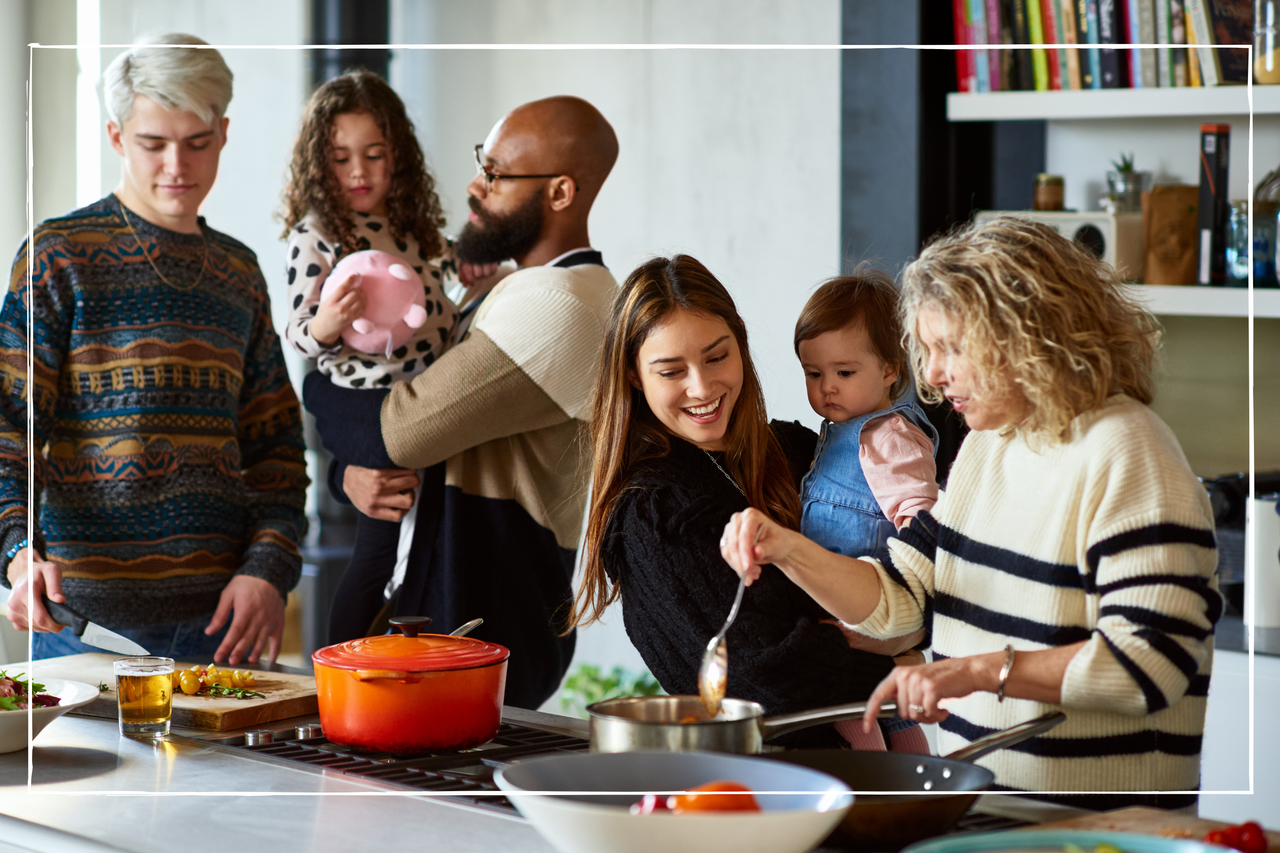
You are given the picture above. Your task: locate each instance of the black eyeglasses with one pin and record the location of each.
(490, 177)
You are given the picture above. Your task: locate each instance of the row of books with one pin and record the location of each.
(1181, 29)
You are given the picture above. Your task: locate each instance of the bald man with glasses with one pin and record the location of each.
(499, 421)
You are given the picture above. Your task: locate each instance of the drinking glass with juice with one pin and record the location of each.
(144, 691)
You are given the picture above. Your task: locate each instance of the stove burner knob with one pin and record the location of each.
(258, 737)
(308, 730)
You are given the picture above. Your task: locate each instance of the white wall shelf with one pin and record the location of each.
(1193, 301)
(1112, 103)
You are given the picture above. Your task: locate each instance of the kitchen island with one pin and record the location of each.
(96, 791)
(93, 791)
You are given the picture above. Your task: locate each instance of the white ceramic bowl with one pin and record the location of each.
(581, 821)
(13, 724)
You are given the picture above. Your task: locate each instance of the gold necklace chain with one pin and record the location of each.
(203, 261)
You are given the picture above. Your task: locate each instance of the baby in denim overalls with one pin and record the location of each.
(873, 469)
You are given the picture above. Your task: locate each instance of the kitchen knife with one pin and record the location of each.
(91, 632)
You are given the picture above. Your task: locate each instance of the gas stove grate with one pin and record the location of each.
(979, 822)
(467, 774)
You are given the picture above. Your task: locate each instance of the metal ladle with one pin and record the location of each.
(713, 674)
(465, 628)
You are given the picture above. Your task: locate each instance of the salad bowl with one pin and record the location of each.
(13, 724)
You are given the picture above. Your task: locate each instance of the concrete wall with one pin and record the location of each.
(13, 132)
(731, 156)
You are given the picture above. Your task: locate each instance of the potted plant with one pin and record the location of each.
(1125, 186)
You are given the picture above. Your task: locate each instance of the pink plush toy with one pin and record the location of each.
(395, 300)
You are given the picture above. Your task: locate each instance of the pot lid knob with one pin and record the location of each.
(410, 625)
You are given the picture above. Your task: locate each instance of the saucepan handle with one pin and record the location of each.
(781, 724)
(387, 674)
(1007, 737)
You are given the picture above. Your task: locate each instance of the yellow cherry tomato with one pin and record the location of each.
(188, 682)
(224, 678)
(211, 669)
(237, 678)
(249, 679)
(173, 679)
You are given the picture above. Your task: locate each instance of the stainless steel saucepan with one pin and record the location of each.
(681, 724)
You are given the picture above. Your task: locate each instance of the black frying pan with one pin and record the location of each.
(898, 819)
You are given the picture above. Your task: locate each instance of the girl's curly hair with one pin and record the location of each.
(412, 204)
(1033, 307)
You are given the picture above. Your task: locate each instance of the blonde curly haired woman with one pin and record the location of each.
(1070, 562)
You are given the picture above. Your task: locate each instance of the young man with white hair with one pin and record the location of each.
(167, 473)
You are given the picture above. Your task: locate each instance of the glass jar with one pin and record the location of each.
(1238, 244)
(1265, 215)
(1050, 192)
(1266, 42)
(1263, 238)
(1125, 189)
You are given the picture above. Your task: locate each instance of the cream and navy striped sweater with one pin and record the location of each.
(1106, 538)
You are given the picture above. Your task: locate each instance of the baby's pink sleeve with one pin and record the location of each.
(897, 460)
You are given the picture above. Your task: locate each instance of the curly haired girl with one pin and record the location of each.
(358, 181)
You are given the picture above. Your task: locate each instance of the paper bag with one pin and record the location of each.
(1169, 233)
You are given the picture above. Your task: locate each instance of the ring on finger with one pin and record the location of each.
(919, 709)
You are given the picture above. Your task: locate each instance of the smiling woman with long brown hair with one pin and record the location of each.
(681, 442)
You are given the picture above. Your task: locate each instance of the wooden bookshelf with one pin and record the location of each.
(1112, 103)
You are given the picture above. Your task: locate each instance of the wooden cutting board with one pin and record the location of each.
(286, 695)
(1153, 822)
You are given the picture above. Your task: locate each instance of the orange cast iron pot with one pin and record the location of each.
(411, 693)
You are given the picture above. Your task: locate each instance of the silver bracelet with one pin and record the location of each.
(1010, 654)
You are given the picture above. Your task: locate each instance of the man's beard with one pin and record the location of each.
(497, 238)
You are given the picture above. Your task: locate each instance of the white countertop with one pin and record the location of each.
(94, 791)
(116, 793)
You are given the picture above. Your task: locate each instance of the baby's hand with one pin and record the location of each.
(469, 274)
(337, 310)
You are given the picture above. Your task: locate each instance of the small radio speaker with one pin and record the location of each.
(1114, 237)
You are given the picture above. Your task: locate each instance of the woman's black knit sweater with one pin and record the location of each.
(662, 546)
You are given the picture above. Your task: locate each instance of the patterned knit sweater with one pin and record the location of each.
(1106, 538)
(168, 442)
